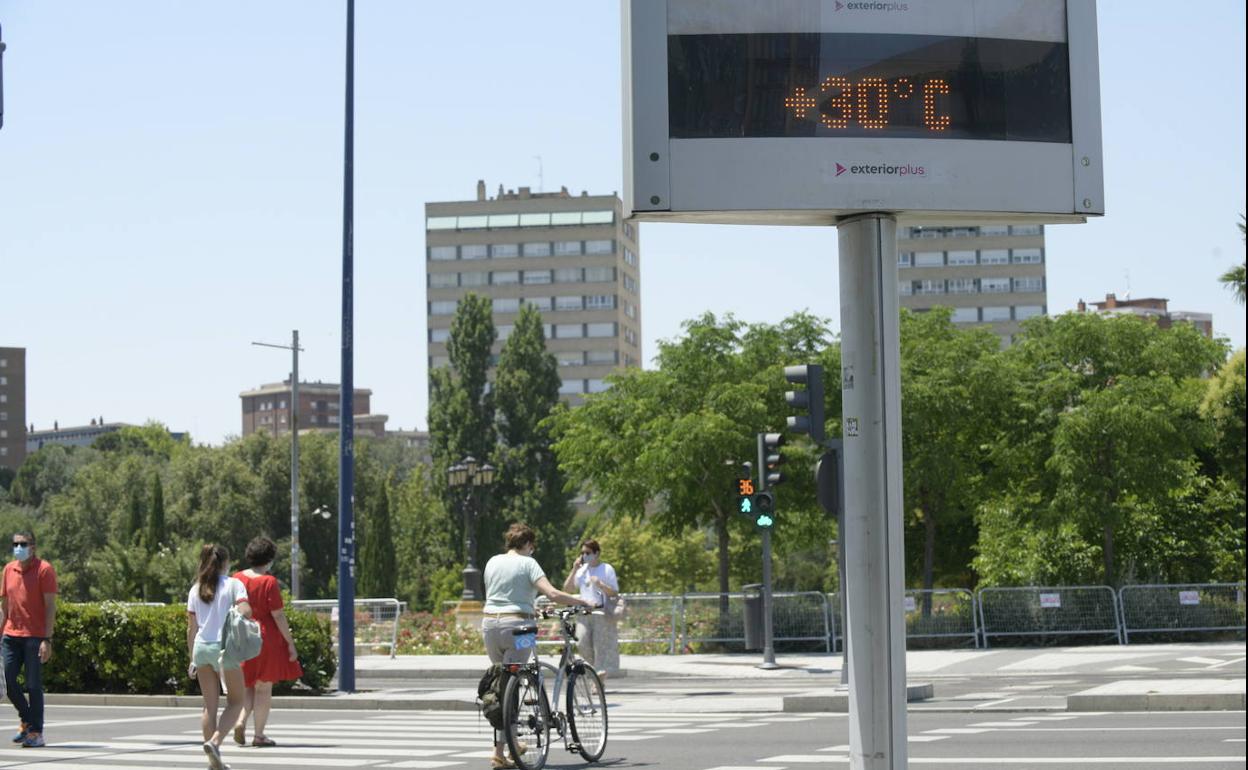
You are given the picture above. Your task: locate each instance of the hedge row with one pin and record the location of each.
(118, 648)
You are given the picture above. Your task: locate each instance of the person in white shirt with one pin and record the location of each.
(598, 638)
(208, 605)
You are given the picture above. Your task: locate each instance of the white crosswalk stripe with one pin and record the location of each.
(392, 740)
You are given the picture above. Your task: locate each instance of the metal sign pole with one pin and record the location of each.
(769, 647)
(872, 540)
(294, 465)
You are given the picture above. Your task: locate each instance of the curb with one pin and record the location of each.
(472, 674)
(338, 702)
(838, 703)
(1211, 701)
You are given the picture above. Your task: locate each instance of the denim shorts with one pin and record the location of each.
(209, 654)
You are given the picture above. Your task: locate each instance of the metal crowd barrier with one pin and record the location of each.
(1049, 611)
(941, 613)
(1181, 607)
(796, 617)
(650, 618)
(376, 620)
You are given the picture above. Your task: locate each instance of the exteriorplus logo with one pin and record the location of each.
(872, 5)
(881, 169)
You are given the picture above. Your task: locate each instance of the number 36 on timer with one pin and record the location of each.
(839, 101)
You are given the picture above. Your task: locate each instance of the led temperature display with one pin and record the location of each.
(867, 85)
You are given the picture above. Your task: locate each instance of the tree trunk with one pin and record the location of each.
(1109, 555)
(929, 557)
(721, 534)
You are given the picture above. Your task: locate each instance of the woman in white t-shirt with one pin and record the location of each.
(598, 636)
(207, 606)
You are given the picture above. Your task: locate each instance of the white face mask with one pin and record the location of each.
(590, 559)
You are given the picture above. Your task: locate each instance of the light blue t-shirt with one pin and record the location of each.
(511, 583)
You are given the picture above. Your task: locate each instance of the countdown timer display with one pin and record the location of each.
(825, 85)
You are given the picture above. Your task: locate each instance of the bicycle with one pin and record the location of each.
(527, 716)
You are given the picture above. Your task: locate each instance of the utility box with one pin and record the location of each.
(753, 616)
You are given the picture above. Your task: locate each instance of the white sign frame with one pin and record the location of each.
(796, 180)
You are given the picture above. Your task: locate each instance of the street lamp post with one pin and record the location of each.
(294, 348)
(474, 480)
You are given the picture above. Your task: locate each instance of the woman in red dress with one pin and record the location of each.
(278, 660)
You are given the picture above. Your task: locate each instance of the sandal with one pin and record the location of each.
(501, 764)
(240, 735)
(263, 742)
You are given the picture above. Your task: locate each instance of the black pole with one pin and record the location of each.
(346, 399)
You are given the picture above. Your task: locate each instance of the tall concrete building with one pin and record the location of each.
(991, 274)
(12, 407)
(570, 256)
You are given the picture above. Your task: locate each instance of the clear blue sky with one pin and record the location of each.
(170, 186)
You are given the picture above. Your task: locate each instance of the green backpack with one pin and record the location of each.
(490, 691)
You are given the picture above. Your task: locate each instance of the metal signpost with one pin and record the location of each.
(346, 399)
(861, 116)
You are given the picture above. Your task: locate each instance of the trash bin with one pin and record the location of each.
(753, 616)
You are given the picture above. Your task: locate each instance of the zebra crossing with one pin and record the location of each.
(309, 739)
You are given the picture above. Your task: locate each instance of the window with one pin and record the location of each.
(962, 286)
(1027, 256)
(504, 331)
(569, 303)
(569, 331)
(996, 313)
(994, 257)
(601, 356)
(474, 279)
(568, 275)
(4, 433)
(629, 231)
(599, 274)
(475, 222)
(604, 329)
(443, 280)
(281, 404)
(990, 230)
(1023, 312)
(548, 330)
(439, 335)
(1027, 229)
(541, 249)
(475, 251)
(507, 305)
(994, 285)
(567, 248)
(534, 277)
(562, 218)
(544, 304)
(4, 380)
(442, 307)
(505, 277)
(535, 220)
(503, 220)
(4, 398)
(438, 362)
(905, 288)
(4, 416)
(629, 257)
(630, 336)
(929, 259)
(441, 223)
(904, 259)
(936, 286)
(596, 386)
(601, 302)
(1029, 284)
(333, 419)
(630, 310)
(571, 387)
(442, 253)
(4, 362)
(505, 250)
(965, 315)
(597, 217)
(574, 358)
(600, 247)
(961, 258)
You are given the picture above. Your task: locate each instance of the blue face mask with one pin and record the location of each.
(21, 552)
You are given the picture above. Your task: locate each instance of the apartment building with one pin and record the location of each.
(12, 407)
(268, 408)
(1151, 307)
(992, 274)
(570, 256)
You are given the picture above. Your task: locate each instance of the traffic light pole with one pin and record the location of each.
(872, 546)
(769, 647)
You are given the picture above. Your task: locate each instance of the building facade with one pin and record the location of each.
(12, 407)
(992, 275)
(1152, 307)
(73, 435)
(571, 257)
(268, 408)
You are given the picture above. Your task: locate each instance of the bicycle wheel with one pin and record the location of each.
(526, 721)
(587, 711)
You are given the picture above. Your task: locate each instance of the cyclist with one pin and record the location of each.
(512, 582)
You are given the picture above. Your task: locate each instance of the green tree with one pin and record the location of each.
(1233, 278)
(530, 487)
(136, 514)
(1225, 405)
(378, 577)
(47, 472)
(422, 540)
(461, 405)
(156, 532)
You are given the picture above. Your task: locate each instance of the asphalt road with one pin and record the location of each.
(92, 738)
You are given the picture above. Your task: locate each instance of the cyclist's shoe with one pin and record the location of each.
(33, 741)
(21, 733)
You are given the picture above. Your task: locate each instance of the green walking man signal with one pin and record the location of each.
(760, 506)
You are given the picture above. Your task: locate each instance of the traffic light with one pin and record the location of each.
(744, 490)
(810, 400)
(830, 479)
(772, 459)
(764, 509)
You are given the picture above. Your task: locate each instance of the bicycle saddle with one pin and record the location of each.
(523, 630)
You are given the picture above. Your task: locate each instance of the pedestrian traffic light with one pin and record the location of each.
(772, 459)
(810, 400)
(764, 509)
(744, 490)
(829, 479)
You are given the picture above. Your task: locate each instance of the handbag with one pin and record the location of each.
(242, 640)
(618, 606)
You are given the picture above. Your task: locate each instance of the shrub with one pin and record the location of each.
(422, 633)
(118, 648)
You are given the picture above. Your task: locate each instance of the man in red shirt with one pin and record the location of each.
(27, 615)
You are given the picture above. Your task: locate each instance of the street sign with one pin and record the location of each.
(804, 111)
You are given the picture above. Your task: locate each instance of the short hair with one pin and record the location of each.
(26, 533)
(518, 536)
(592, 545)
(260, 551)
